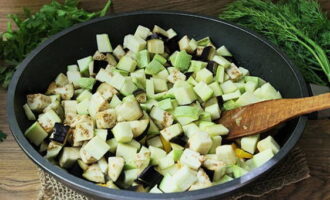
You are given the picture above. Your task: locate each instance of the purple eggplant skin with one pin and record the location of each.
(172, 45)
(210, 173)
(98, 64)
(149, 176)
(188, 74)
(206, 53)
(156, 36)
(180, 140)
(212, 66)
(76, 170)
(60, 133)
(95, 86)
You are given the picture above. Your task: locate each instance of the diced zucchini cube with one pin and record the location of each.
(171, 131)
(203, 91)
(215, 129)
(267, 92)
(260, 158)
(216, 141)
(82, 107)
(186, 114)
(96, 147)
(233, 95)
(142, 32)
(249, 143)
(184, 95)
(103, 43)
(134, 43)
(126, 63)
(217, 91)
(162, 118)
(212, 107)
(143, 58)
(97, 102)
(129, 111)
(166, 162)
(220, 74)
(247, 98)
(181, 60)
(28, 112)
(223, 51)
(221, 61)
(228, 87)
(154, 67)
(84, 65)
(119, 52)
(36, 134)
(196, 65)
(123, 132)
(160, 59)
(268, 143)
(166, 185)
(117, 81)
(204, 75)
(191, 159)
(160, 85)
(128, 87)
(86, 83)
(155, 142)
(165, 104)
(94, 173)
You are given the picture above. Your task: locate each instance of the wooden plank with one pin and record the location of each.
(18, 174)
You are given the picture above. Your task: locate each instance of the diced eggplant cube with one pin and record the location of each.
(123, 132)
(97, 103)
(38, 102)
(28, 112)
(191, 159)
(115, 167)
(162, 118)
(96, 147)
(128, 111)
(156, 154)
(175, 75)
(53, 149)
(226, 154)
(69, 156)
(203, 181)
(184, 44)
(103, 43)
(47, 120)
(200, 142)
(171, 131)
(74, 77)
(233, 72)
(106, 118)
(139, 127)
(150, 176)
(160, 31)
(60, 133)
(94, 173)
(184, 178)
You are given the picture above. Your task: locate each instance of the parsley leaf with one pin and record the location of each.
(3, 136)
(33, 29)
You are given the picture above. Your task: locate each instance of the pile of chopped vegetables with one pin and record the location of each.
(141, 116)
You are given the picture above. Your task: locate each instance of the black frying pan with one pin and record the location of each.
(250, 50)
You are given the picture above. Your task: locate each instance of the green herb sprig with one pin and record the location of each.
(15, 44)
(298, 27)
(3, 136)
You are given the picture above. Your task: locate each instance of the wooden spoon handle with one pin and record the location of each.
(262, 116)
(301, 106)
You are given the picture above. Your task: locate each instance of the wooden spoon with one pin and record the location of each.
(259, 117)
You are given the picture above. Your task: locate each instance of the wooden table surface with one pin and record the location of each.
(18, 175)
